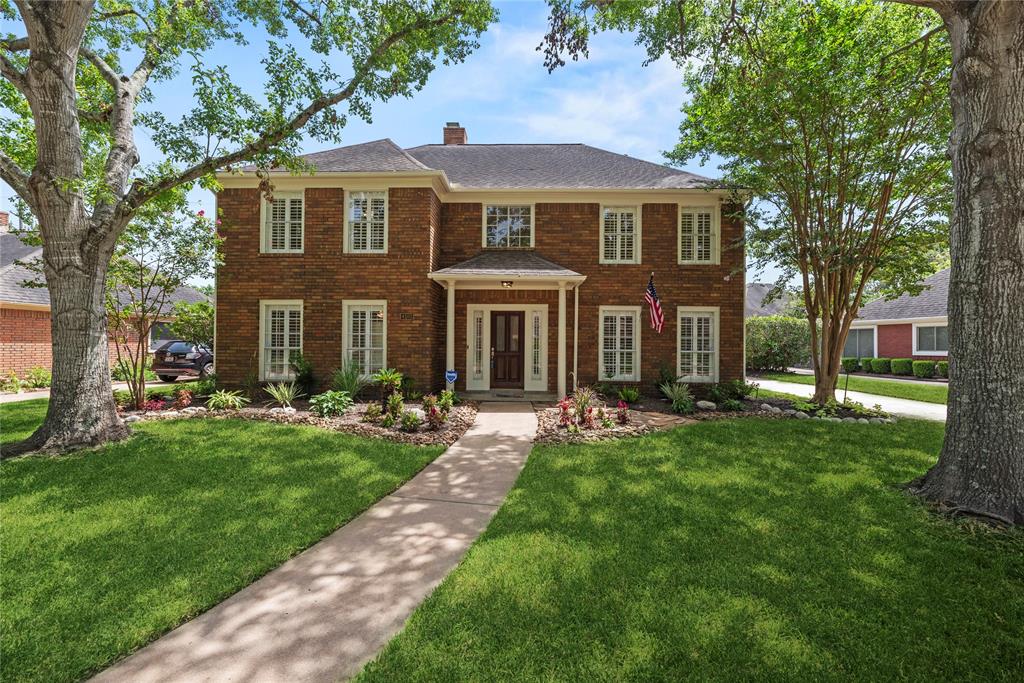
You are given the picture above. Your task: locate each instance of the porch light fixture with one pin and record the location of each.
(507, 284)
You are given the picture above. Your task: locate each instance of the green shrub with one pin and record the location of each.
(629, 394)
(605, 389)
(777, 342)
(679, 395)
(122, 370)
(881, 366)
(850, 364)
(38, 378)
(395, 405)
(283, 393)
(387, 420)
(924, 369)
(409, 390)
(389, 380)
(330, 403)
(347, 378)
(206, 386)
(372, 413)
(304, 377)
(410, 421)
(731, 404)
(942, 367)
(447, 401)
(226, 400)
(10, 382)
(902, 366)
(733, 390)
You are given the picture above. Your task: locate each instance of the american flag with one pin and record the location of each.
(657, 315)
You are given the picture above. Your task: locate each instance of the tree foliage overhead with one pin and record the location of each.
(353, 53)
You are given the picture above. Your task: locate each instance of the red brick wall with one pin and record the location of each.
(897, 341)
(425, 235)
(323, 277)
(25, 341)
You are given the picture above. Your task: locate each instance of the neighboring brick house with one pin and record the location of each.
(522, 267)
(908, 327)
(25, 340)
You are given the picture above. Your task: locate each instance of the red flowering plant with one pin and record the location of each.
(182, 399)
(153, 404)
(565, 411)
(622, 412)
(588, 418)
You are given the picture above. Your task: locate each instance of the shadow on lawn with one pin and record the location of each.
(774, 549)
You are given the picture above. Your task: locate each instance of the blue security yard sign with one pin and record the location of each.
(450, 376)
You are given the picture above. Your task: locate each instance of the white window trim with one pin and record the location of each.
(346, 305)
(347, 236)
(695, 379)
(874, 340)
(483, 223)
(637, 234)
(265, 234)
(484, 384)
(274, 303)
(637, 311)
(919, 352)
(716, 234)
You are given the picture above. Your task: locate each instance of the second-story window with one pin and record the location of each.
(282, 223)
(367, 223)
(698, 235)
(508, 226)
(620, 235)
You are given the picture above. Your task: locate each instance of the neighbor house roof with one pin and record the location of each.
(14, 276)
(756, 305)
(521, 264)
(930, 303)
(504, 166)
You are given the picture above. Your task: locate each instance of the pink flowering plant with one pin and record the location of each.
(622, 413)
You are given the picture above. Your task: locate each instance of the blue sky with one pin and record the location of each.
(502, 93)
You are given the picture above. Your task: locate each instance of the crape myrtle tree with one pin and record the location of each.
(980, 470)
(77, 89)
(163, 247)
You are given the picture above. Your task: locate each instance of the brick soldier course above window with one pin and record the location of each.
(524, 263)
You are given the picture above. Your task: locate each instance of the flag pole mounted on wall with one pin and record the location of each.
(651, 297)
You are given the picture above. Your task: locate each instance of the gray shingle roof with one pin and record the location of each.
(756, 306)
(572, 166)
(367, 157)
(508, 264)
(931, 302)
(13, 277)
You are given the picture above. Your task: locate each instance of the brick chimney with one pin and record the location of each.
(454, 134)
(5, 222)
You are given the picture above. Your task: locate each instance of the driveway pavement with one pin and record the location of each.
(323, 614)
(896, 406)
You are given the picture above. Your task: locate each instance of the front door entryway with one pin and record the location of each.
(507, 332)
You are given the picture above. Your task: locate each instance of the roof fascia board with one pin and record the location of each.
(901, 321)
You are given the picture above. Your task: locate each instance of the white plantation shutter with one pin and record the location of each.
(620, 235)
(698, 346)
(283, 229)
(282, 339)
(619, 345)
(697, 236)
(365, 341)
(367, 222)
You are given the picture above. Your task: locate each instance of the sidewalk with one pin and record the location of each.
(326, 612)
(45, 393)
(896, 406)
(881, 378)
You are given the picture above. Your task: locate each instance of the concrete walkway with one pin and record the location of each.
(323, 614)
(896, 406)
(45, 393)
(880, 378)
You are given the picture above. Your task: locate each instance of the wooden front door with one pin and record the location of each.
(507, 349)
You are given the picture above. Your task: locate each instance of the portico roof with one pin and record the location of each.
(510, 264)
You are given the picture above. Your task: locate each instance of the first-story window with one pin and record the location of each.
(366, 325)
(698, 344)
(931, 339)
(282, 338)
(620, 235)
(698, 235)
(619, 343)
(508, 226)
(860, 343)
(283, 223)
(367, 222)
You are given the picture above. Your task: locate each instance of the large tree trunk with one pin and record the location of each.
(76, 249)
(981, 466)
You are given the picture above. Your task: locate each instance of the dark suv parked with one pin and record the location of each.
(179, 358)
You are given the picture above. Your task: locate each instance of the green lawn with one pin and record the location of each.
(728, 550)
(103, 551)
(929, 393)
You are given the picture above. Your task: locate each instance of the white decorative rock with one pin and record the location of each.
(876, 421)
(706, 405)
(283, 411)
(132, 418)
(862, 420)
(789, 411)
(850, 419)
(833, 419)
(170, 413)
(765, 406)
(801, 415)
(776, 409)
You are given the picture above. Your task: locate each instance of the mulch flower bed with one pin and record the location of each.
(459, 420)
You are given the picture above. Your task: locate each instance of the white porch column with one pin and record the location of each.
(561, 339)
(449, 355)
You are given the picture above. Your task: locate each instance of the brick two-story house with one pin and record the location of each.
(522, 267)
